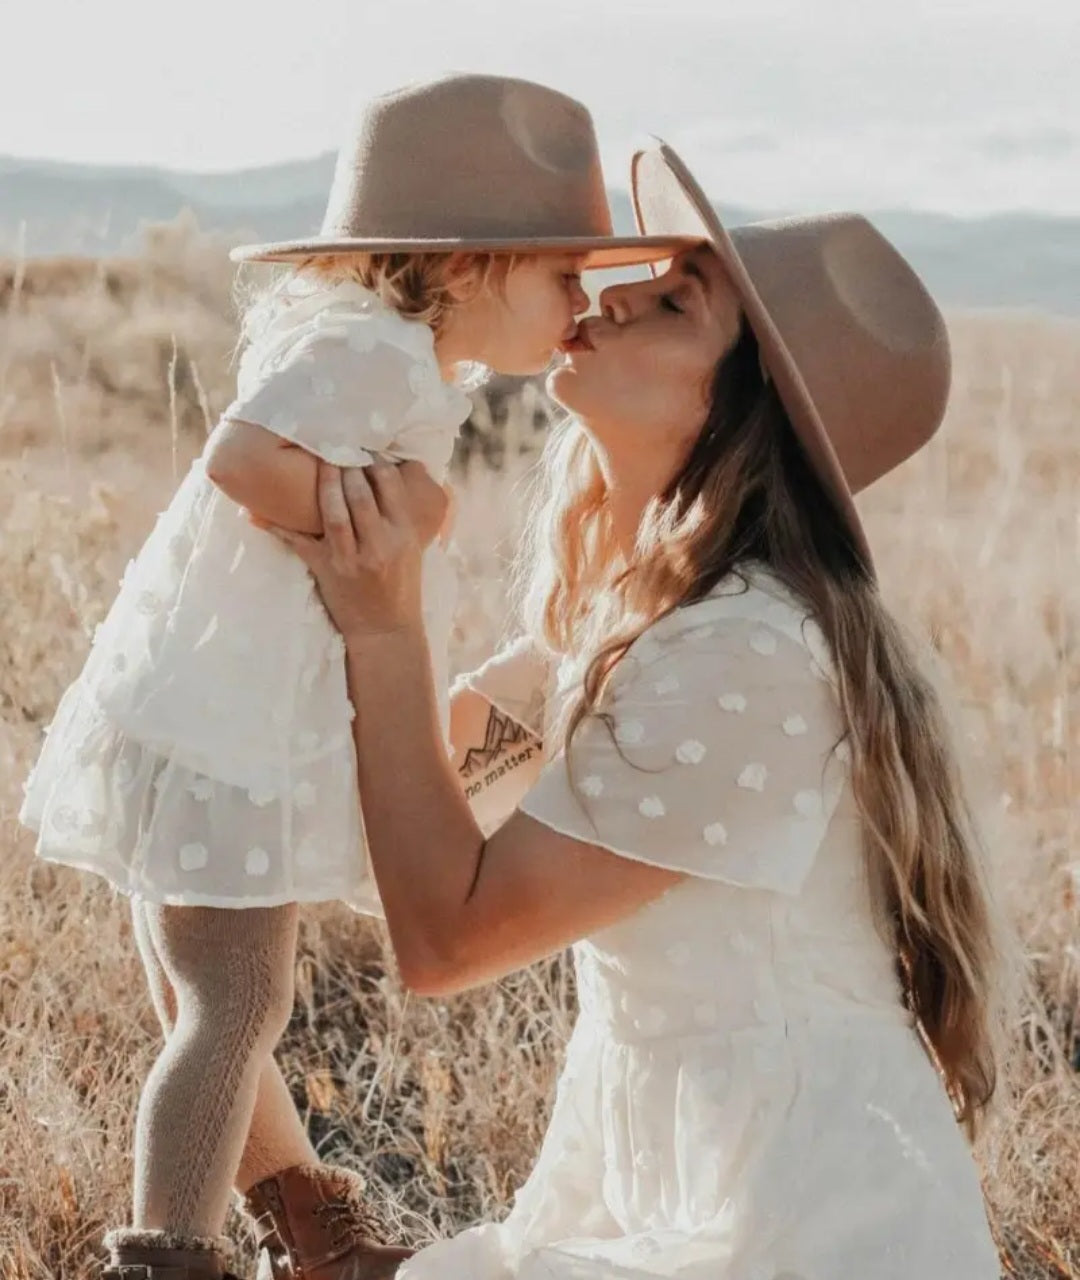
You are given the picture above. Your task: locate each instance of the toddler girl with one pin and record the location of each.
(203, 760)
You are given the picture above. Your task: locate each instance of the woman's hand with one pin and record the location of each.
(367, 563)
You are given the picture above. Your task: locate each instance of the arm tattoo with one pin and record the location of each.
(482, 766)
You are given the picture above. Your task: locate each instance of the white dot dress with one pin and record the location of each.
(204, 756)
(744, 1095)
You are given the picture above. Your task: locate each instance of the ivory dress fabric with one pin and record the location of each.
(204, 756)
(744, 1095)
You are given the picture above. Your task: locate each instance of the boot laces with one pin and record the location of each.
(350, 1220)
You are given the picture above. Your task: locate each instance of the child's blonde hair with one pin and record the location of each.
(424, 287)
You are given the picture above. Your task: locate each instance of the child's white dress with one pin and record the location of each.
(205, 753)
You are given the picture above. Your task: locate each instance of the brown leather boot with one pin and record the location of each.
(160, 1255)
(311, 1223)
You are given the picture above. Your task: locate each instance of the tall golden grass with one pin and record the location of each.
(110, 374)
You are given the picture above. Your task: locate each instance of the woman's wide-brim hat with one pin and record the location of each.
(471, 163)
(853, 342)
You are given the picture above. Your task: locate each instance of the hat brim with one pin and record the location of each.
(669, 201)
(598, 251)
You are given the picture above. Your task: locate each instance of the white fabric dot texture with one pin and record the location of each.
(219, 652)
(690, 752)
(726, 1112)
(257, 862)
(193, 856)
(304, 795)
(753, 777)
(763, 642)
(808, 803)
(682, 786)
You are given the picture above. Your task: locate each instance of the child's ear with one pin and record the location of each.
(460, 268)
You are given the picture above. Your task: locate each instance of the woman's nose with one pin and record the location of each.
(614, 304)
(580, 300)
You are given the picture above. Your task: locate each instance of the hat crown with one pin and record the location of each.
(867, 339)
(488, 157)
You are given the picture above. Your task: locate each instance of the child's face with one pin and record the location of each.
(516, 326)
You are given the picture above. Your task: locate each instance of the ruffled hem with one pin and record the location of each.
(101, 801)
(148, 893)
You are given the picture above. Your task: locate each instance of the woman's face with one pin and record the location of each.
(638, 376)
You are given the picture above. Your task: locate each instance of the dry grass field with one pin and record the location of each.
(110, 375)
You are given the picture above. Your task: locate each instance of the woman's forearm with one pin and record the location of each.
(424, 842)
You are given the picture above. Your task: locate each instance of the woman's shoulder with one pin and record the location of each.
(751, 606)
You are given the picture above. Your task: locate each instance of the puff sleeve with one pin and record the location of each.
(515, 680)
(349, 387)
(723, 760)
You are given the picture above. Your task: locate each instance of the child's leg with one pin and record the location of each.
(232, 975)
(276, 1138)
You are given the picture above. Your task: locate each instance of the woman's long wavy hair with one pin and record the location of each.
(747, 494)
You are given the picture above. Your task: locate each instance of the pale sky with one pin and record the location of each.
(970, 106)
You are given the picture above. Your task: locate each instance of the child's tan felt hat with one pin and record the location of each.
(470, 163)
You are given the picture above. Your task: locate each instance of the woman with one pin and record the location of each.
(748, 823)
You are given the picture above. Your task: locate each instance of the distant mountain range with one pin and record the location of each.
(47, 208)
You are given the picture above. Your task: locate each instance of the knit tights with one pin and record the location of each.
(214, 1110)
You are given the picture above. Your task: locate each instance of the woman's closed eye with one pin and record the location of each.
(667, 301)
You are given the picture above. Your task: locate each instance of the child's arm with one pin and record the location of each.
(275, 479)
(271, 477)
